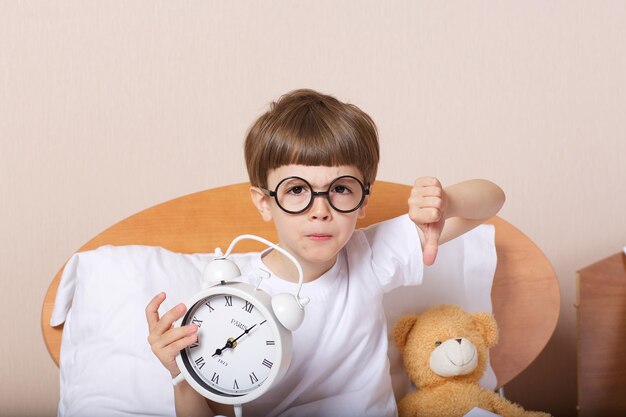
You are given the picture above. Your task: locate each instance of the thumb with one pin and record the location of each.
(431, 246)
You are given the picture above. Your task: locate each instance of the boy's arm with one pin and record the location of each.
(442, 214)
(189, 402)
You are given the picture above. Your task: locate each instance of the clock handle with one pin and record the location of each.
(288, 308)
(301, 301)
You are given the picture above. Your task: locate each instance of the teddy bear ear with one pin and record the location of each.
(487, 326)
(401, 330)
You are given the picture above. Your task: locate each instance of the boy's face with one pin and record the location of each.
(315, 236)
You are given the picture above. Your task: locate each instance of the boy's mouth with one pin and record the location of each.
(319, 236)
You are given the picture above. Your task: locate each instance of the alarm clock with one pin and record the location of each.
(244, 341)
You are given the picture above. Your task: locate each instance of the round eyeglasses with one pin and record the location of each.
(295, 195)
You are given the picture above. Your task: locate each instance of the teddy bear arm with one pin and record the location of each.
(428, 404)
(506, 408)
(406, 407)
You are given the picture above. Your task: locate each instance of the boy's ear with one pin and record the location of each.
(361, 211)
(261, 201)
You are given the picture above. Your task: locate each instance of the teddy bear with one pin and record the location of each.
(444, 351)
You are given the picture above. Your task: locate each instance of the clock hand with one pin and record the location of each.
(231, 343)
(246, 332)
(219, 351)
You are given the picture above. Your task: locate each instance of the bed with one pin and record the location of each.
(523, 291)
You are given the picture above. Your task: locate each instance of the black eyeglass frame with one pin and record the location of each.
(365, 192)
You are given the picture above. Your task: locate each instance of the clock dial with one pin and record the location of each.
(236, 348)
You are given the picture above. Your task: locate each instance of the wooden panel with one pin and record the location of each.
(525, 293)
(526, 302)
(601, 314)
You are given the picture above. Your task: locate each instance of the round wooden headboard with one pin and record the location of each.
(525, 292)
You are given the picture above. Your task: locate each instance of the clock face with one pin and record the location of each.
(237, 346)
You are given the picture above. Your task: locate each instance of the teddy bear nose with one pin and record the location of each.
(458, 341)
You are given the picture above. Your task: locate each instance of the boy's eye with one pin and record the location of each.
(296, 190)
(340, 189)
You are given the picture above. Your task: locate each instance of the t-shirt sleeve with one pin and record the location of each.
(395, 252)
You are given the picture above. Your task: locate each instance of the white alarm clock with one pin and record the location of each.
(244, 336)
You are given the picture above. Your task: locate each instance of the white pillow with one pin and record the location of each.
(107, 367)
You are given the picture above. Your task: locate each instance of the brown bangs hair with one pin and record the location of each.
(305, 127)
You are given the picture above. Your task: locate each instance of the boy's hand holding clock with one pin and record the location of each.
(165, 340)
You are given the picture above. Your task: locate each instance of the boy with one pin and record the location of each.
(312, 160)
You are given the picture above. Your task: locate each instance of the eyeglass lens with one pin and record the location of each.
(345, 194)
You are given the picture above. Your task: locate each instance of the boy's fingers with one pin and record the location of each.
(431, 202)
(431, 246)
(422, 201)
(182, 343)
(427, 182)
(168, 319)
(427, 192)
(430, 253)
(425, 216)
(172, 336)
(152, 310)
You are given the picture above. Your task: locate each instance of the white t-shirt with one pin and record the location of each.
(340, 365)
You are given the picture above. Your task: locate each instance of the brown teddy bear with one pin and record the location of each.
(444, 350)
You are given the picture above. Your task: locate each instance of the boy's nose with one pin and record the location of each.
(320, 209)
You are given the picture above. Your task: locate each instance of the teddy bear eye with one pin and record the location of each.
(437, 343)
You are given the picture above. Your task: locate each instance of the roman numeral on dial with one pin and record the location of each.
(267, 363)
(200, 362)
(253, 378)
(229, 300)
(248, 307)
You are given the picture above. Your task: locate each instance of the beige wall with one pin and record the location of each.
(110, 107)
